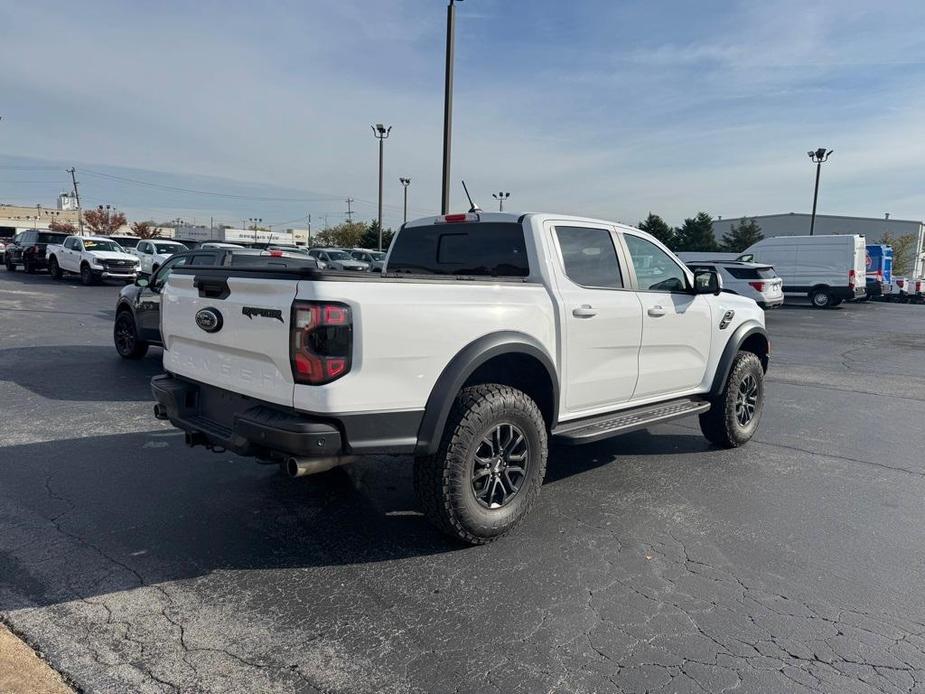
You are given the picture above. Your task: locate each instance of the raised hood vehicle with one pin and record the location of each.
(485, 337)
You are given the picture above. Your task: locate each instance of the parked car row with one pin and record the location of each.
(827, 269)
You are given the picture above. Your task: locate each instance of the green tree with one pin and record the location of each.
(344, 235)
(696, 234)
(659, 228)
(742, 235)
(371, 236)
(903, 251)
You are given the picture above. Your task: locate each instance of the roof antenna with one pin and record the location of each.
(472, 206)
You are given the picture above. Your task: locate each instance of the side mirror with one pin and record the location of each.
(707, 282)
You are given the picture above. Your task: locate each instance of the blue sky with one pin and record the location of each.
(592, 107)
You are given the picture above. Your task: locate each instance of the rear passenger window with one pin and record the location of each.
(490, 249)
(590, 257)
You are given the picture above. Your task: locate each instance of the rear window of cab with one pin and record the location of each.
(475, 249)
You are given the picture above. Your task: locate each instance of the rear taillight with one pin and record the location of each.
(852, 278)
(757, 286)
(321, 341)
(879, 275)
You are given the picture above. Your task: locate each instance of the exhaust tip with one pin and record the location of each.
(160, 411)
(292, 467)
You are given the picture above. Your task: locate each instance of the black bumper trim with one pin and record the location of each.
(253, 427)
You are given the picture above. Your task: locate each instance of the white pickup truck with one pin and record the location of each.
(485, 336)
(94, 258)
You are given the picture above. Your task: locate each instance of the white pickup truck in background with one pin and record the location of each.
(485, 336)
(94, 258)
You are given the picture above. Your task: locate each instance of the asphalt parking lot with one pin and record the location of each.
(651, 563)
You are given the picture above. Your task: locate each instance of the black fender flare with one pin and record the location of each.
(462, 366)
(738, 337)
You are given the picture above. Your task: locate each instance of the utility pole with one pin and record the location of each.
(405, 183)
(381, 133)
(309, 229)
(349, 211)
(817, 157)
(500, 197)
(448, 104)
(80, 217)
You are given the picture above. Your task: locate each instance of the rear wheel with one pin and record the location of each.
(489, 467)
(734, 414)
(821, 298)
(28, 265)
(54, 269)
(125, 337)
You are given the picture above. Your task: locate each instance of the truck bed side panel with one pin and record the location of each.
(405, 334)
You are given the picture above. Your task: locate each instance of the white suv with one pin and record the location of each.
(754, 280)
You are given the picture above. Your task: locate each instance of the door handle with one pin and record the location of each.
(656, 312)
(584, 311)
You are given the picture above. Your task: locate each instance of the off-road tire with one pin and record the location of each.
(86, 275)
(54, 269)
(821, 298)
(720, 424)
(443, 481)
(128, 345)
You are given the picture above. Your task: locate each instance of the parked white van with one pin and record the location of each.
(827, 269)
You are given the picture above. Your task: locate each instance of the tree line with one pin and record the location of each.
(697, 234)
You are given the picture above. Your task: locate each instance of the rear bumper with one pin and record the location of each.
(771, 303)
(249, 427)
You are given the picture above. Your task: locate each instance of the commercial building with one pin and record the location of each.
(14, 218)
(872, 228)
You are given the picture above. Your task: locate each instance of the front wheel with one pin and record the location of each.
(734, 414)
(10, 265)
(125, 336)
(86, 275)
(54, 269)
(489, 467)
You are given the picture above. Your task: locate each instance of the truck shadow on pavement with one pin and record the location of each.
(91, 516)
(79, 373)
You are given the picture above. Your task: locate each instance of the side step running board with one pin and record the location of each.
(614, 423)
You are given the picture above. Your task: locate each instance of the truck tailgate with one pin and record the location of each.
(249, 351)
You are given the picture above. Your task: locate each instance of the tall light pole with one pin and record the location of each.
(254, 222)
(448, 103)
(381, 133)
(500, 197)
(818, 156)
(405, 183)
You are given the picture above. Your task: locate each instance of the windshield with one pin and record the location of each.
(97, 245)
(338, 255)
(170, 247)
(376, 255)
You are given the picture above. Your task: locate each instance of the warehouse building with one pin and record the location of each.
(873, 228)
